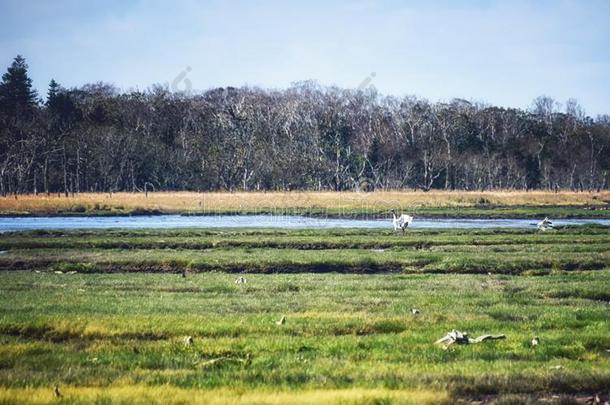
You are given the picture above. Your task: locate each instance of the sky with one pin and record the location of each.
(504, 53)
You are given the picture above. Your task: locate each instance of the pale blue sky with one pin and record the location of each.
(502, 52)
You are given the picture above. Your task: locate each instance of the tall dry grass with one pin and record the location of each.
(178, 202)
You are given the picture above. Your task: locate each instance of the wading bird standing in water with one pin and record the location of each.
(402, 222)
(545, 224)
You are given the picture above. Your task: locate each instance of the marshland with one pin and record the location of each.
(347, 202)
(103, 315)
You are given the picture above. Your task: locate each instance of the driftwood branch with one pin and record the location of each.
(461, 338)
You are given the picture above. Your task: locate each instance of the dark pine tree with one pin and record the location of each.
(17, 98)
(53, 92)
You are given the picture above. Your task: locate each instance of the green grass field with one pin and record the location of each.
(503, 251)
(103, 316)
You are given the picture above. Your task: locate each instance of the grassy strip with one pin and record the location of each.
(303, 243)
(432, 204)
(141, 394)
(319, 261)
(480, 212)
(416, 240)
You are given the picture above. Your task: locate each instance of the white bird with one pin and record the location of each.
(414, 311)
(545, 224)
(188, 340)
(535, 341)
(241, 280)
(402, 222)
(281, 321)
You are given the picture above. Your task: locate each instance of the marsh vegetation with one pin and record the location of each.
(105, 314)
(471, 204)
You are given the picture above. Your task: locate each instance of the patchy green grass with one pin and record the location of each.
(347, 251)
(348, 338)
(342, 332)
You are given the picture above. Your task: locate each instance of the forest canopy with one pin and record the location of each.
(305, 137)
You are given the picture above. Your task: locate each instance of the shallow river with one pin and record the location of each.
(265, 221)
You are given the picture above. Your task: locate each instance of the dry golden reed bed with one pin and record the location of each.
(179, 202)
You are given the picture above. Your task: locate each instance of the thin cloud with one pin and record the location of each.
(505, 53)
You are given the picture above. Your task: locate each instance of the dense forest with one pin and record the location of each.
(306, 137)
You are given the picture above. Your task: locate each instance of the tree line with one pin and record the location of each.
(305, 137)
